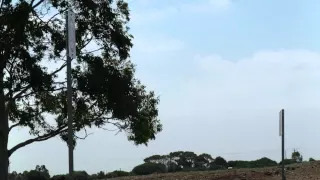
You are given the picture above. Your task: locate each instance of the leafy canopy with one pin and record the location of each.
(105, 91)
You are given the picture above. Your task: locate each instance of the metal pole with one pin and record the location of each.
(282, 144)
(70, 118)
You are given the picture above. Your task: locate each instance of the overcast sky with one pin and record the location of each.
(223, 70)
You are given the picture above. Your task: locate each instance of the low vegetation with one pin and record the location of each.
(179, 161)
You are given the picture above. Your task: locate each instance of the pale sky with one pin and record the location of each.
(223, 70)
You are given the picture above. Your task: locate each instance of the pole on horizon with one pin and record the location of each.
(71, 54)
(281, 133)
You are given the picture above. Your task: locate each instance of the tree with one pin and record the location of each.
(35, 175)
(59, 177)
(117, 173)
(184, 159)
(149, 168)
(32, 62)
(296, 156)
(43, 170)
(203, 160)
(311, 159)
(39, 173)
(101, 175)
(220, 161)
(288, 161)
(162, 159)
(263, 162)
(13, 175)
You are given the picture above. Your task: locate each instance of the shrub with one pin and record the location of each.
(263, 162)
(220, 161)
(59, 177)
(311, 159)
(36, 175)
(214, 167)
(117, 174)
(288, 161)
(149, 168)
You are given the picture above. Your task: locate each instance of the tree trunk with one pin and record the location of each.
(4, 134)
(3, 157)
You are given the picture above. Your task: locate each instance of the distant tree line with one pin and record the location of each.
(179, 161)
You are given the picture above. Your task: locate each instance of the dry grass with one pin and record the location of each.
(302, 171)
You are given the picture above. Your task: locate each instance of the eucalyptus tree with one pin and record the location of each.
(32, 68)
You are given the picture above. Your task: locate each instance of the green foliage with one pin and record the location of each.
(173, 167)
(214, 167)
(239, 164)
(78, 175)
(39, 173)
(43, 170)
(288, 161)
(106, 84)
(149, 168)
(36, 175)
(158, 159)
(311, 159)
(220, 161)
(117, 173)
(184, 159)
(105, 90)
(296, 156)
(263, 162)
(203, 161)
(59, 177)
(81, 175)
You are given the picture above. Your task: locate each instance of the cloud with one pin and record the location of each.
(267, 79)
(240, 101)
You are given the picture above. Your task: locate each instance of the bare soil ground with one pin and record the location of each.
(302, 171)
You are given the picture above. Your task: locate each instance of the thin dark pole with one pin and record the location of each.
(70, 118)
(282, 144)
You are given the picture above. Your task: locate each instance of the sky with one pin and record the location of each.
(223, 70)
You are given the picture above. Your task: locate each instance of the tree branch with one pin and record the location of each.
(13, 126)
(29, 86)
(36, 5)
(92, 51)
(33, 92)
(37, 139)
(121, 127)
(85, 136)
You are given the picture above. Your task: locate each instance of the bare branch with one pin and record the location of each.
(89, 40)
(121, 127)
(13, 126)
(37, 139)
(54, 17)
(106, 129)
(85, 136)
(92, 51)
(37, 4)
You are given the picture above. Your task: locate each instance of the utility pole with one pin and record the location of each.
(71, 54)
(281, 133)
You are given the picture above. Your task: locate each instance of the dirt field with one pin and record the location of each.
(303, 171)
